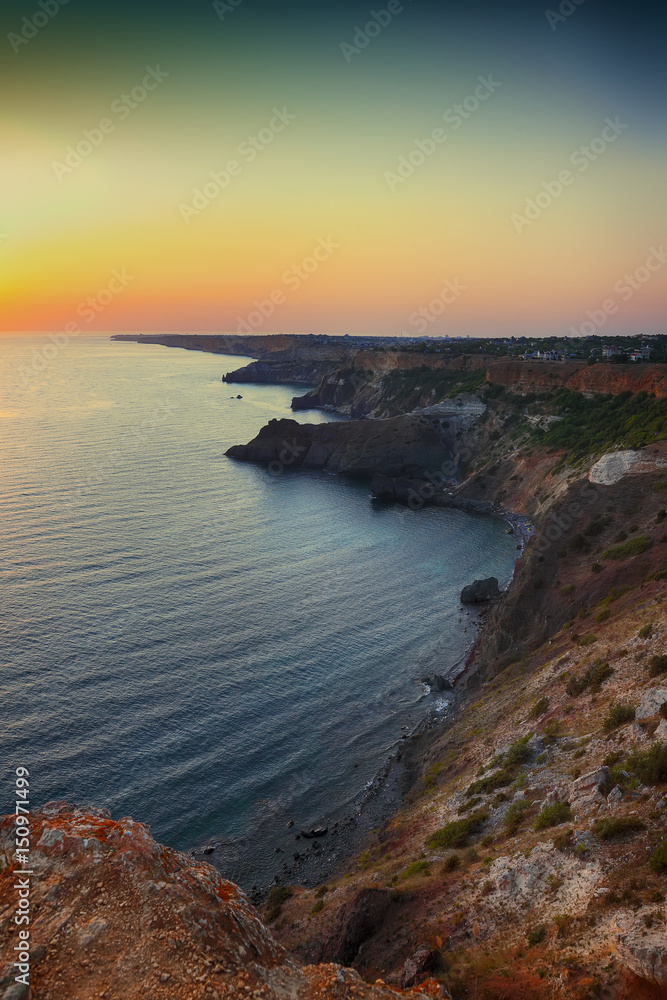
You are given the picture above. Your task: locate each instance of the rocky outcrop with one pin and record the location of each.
(301, 363)
(642, 949)
(611, 468)
(400, 446)
(361, 918)
(115, 915)
(480, 591)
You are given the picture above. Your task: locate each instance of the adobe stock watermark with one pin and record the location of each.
(565, 10)
(449, 293)
(455, 117)
(291, 279)
(248, 151)
(87, 310)
(23, 874)
(364, 34)
(223, 8)
(121, 107)
(626, 288)
(31, 26)
(580, 158)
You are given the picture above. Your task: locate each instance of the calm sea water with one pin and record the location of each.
(190, 640)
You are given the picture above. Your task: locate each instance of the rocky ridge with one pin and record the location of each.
(115, 915)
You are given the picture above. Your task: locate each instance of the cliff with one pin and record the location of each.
(385, 383)
(400, 446)
(113, 914)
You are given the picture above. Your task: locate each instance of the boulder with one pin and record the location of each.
(423, 961)
(651, 702)
(589, 791)
(480, 591)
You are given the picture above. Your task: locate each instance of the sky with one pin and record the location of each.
(415, 167)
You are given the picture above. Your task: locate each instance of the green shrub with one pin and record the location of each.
(593, 425)
(657, 665)
(597, 526)
(553, 815)
(587, 640)
(650, 765)
(617, 716)
(536, 936)
(274, 902)
(579, 544)
(592, 680)
(322, 891)
(539, 708)
(645, 631)
(515, 816)
(658, 860)
(467, 806)
(498, 799)
(509, 764)
(616, 826)
(458, 832)
(633, 547)
(421, 867)
(663, 710)
(567, 589)
(318, 906)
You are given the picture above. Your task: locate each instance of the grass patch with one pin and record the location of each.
(633, 547)
(617, 826)
(421, 867)
(617, 716)
(458, 832)
(553, 815)
(645, 631)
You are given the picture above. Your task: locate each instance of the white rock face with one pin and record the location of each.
(611, 468)
(651, 702)
(641, 950)
(522, 882)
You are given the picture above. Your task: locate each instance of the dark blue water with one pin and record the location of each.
(190, 640)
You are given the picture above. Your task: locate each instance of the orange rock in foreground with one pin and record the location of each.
(116, 915)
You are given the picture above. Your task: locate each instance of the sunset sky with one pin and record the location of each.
(323, 138)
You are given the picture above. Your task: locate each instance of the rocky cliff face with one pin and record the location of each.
(117, 916)
(401, 446)
(385, 383)
(299, 363)
(524, 376)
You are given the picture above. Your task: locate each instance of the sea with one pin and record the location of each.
(213, 649)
